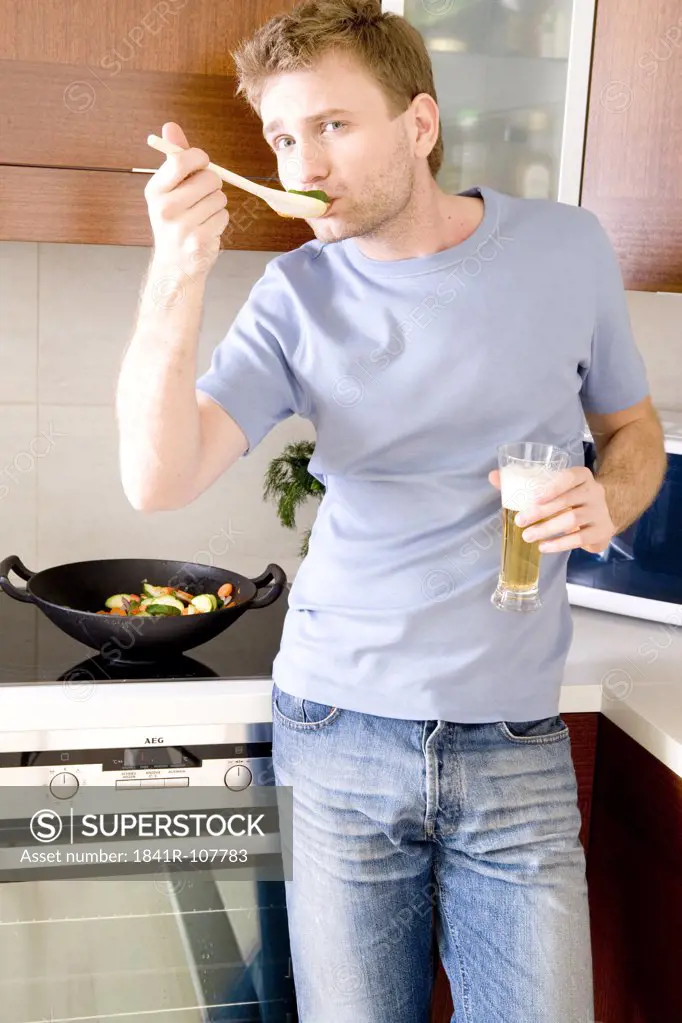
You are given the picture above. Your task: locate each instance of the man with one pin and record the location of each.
(417, 724)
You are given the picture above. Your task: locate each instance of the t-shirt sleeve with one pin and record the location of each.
(614, 377)
(251, 374)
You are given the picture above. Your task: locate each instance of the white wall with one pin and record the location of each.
(66, 315)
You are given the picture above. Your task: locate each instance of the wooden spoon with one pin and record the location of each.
(287, 204)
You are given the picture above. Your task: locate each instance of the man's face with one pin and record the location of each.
(331, 129)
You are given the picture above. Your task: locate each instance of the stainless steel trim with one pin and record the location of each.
(575, 110)
(133, 736)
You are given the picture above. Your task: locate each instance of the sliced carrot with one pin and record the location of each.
(102, 612)
(118, 611)
(225, 590)
(133, 597)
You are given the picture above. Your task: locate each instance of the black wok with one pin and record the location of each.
(70, 596)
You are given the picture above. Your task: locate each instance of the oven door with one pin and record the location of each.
(182, 947)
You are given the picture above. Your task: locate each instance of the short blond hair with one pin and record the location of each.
(389, 47)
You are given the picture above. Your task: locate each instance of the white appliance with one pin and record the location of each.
(640, 573)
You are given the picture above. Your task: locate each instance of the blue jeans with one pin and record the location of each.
(395, 820)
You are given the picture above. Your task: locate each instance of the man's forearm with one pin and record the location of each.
(631, 469)
(156, 406)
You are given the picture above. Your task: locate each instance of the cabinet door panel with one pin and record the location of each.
(108, 208)
(81, 87)
(633, 157)
(63, 116)
(583, 730)
(168, 35)
(511, 80)
(635, 883)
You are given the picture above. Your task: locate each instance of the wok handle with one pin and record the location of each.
(14, 564)
(278, 577)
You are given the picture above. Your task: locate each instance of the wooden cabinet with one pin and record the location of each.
(583, 730)
(635, 877)
(632, 174)
(81, 87)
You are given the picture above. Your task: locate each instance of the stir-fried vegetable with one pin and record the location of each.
(314, 193)
(162, 601)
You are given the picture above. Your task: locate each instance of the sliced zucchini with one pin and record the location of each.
(117, 600)
(167, 600)
(153, 591)
(205, 602)
(158, 609)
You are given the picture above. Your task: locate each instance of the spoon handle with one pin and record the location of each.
(169, 148)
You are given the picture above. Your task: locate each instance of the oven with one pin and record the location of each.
(96, 929)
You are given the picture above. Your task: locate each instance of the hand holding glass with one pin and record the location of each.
(526, 470)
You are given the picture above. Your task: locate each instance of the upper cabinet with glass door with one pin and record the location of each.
(512, 79)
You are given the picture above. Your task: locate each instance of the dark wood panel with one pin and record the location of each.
(633, 157)
(108, 208)
(583, 729)
(442, 1005)
(59, 115)
(166, 35)
(642, 790)
(635, 884)
(647, 237)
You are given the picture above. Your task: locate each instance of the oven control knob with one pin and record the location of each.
(238, 777)
(64, 785)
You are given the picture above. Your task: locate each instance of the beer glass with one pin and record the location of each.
(526, 469)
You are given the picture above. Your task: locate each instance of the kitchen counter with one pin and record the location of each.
(629, 669)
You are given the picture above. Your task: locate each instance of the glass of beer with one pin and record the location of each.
(526, 469)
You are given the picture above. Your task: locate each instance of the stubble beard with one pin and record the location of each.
(376, 217)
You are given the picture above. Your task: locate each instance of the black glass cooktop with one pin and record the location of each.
(33, 650)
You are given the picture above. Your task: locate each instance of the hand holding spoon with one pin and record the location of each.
(307, 206)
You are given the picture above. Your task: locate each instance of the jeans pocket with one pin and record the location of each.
(296, 712)
(533, 733)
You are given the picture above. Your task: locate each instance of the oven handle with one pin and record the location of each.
(14, 564)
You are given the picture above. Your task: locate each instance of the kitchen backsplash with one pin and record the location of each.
(66, 313)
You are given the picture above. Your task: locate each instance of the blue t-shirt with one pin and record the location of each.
(412, 372)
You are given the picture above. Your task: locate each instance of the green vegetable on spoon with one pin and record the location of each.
(314, 193)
